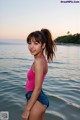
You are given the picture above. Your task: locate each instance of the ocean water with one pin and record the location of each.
(62, 83)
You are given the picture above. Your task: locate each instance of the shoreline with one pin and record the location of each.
(68, 44)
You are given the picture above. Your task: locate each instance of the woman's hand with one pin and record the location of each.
(25, 115)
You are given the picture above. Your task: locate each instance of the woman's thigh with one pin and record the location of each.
(37, 111)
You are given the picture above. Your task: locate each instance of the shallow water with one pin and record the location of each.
(62, 83)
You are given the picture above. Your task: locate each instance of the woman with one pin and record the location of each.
(37, 102)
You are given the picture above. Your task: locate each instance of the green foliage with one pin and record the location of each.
(69, 39)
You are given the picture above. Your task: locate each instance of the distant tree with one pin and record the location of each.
(69, 38)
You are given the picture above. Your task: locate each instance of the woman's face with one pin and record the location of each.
(35, 47)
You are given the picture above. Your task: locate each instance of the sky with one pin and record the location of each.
(20, 17)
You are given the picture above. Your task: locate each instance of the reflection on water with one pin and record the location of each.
(62, 83)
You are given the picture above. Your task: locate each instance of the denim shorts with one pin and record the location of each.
(42, 98)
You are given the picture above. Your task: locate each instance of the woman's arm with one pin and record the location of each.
(39, 70)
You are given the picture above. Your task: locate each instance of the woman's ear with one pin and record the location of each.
(43, 46)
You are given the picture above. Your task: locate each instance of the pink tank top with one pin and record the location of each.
(30, 83)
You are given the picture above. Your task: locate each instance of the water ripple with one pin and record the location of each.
(62, 83)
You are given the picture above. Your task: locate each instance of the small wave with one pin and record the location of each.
(53, 115)
(56, 100)
(15, 58)
(59, 62)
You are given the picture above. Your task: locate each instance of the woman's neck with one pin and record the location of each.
(39, 55)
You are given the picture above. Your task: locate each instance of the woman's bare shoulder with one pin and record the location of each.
(38, 61)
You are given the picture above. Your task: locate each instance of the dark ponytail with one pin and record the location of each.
(50, 45)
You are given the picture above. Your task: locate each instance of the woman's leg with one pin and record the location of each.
(37, 112)
(43, 116)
